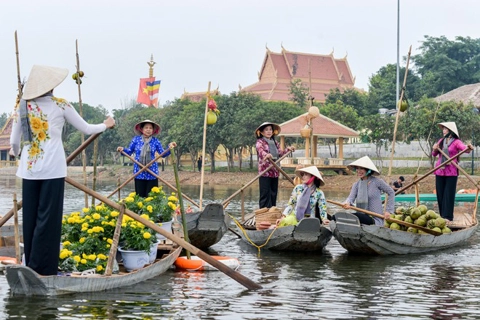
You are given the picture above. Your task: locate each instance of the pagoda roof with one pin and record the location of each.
(5, 134)
(323, 127)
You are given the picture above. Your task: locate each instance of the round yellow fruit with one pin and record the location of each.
(75, 76)
(211, 118)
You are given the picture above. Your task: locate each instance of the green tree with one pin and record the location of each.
(298, 92)
(3, 119)
(382, 88)
(422, 122)
(358, 100)
(378, 129)
(445, 64)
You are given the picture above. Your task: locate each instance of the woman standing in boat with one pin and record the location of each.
(268, 148)
(144, 145)
(446, 177)
(366, 193)
(307, 199)
(39, 120)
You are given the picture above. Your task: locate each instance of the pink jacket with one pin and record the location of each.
(449, 170)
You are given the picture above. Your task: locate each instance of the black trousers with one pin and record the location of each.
(268, 192)
(446, 188)
(143, 187)
(42, 223)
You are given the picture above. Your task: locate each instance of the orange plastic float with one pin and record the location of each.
(197, 264)
(7, 260)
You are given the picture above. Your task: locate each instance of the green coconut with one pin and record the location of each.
(431, 215)
(415, 213)
(400, 210)
(412, 230)
(386, 224)
(399, 217)
(431, 223)
(440, 222)
(446, 230)
(423, 208)
(437, 229)
(420, 222)
(408, 219)
(394, 226)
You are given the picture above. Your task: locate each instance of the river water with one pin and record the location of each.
(332, 285)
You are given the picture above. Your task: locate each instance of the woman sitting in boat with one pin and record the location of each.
(307, 200)
(366, 193)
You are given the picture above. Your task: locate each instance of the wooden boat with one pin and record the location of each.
(207, 227)
(24, 281)
(377, 240)
(307, 235)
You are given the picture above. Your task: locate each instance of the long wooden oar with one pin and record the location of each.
(281, 171)
(430, 231)
(187, 246)
(227, 201)
(459, 168)
(70, 158)
(159, 178)
(142, 168)
(180, 200)
(429, 172)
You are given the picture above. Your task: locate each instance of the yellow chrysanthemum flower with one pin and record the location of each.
(147, 235)
(83, 261)
(150, 209)
(129, 199)
(82, 240)
(85, 210)
(99, 268)
(156, 190)
(101, 256)
(96, 216)
(77, 259)
(140, 204)
(114, 214)
(132, 194)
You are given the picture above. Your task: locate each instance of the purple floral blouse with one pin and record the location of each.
(262, 151)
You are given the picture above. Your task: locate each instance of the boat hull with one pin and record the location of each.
(24, 281)
(307, 235)
(377, 240)
(207, 227)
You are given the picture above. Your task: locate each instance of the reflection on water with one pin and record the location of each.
(332, 285)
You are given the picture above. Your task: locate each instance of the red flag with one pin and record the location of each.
(143, 93)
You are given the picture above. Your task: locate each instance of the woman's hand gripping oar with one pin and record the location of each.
(430, 231)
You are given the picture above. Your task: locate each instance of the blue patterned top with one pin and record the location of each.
(136, 147)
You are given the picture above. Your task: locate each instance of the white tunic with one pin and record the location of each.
(44, 157)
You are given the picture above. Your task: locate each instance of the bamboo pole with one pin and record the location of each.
(16, 230)
(82, 136)
(249, 284)
(19, 80)
(204, 143)
(95, 156)
(398, 113)
(116, 237)
(160, 178)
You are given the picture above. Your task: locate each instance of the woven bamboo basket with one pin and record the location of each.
(305, 132)
(267, 215)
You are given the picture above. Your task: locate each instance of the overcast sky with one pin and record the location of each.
(221, 41)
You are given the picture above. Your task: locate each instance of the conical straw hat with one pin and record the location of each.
(138, 127)
(313, 170)
(365, 163)
(42, 79)
(450, 126)
(275, 127)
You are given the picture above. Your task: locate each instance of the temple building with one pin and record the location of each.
(279, 69)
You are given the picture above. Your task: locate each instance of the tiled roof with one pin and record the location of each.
(323, 127)
(468, 93)
(278, 69)
(5, 134)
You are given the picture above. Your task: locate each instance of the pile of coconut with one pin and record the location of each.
(419, 216)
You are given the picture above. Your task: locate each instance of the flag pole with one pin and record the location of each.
(203, 146)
